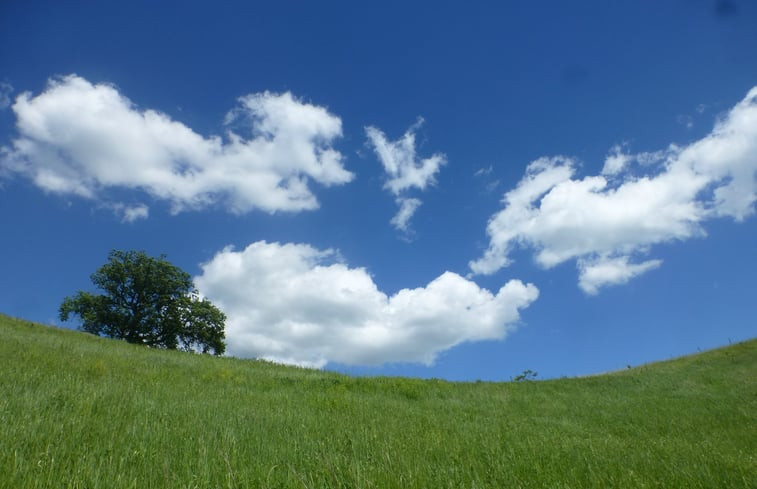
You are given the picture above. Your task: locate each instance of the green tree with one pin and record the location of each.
(148, 301)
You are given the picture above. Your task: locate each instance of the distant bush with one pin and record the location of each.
(527, 374)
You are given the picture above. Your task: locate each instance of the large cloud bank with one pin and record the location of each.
(82, 139)
(405, 170)
(608, 222)
(292, 303)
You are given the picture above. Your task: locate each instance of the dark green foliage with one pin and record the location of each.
(148, 301)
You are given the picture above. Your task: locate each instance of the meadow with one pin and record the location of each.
(78, 411)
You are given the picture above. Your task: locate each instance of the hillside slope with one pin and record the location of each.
(78, 411)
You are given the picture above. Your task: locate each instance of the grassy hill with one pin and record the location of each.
(78, 411)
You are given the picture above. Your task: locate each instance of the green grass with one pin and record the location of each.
(78, 411)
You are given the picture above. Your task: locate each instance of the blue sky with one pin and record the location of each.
(461, 190)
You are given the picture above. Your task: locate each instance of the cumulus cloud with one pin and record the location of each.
(606, 221)
(84, 139)
(292, 303)
(405, 170)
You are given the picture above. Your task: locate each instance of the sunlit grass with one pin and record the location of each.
(78, 411)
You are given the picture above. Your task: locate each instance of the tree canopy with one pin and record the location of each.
(148, 301)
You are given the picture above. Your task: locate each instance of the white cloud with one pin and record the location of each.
(616, 161)
(133, 213)
(84, 139)
(603, 271)
(408, 207)
(292, 303)
(403, 167)
(401, 163)
(604, 223)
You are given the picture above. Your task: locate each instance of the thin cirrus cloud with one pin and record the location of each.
(79, 138)
(607, 222)
(405, 170)
(292, 303)
(6, 89)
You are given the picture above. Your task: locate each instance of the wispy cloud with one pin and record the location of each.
(685, 120)
(405, 170)
(639, 200)
(408, 207)
(485, 173)
(5, 95)
(130, 213)
(295, 304)
(83, 139)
